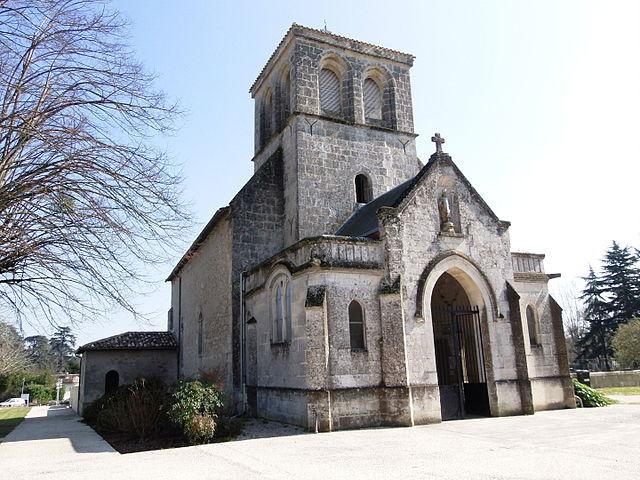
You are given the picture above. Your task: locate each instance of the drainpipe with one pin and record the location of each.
(243, 349)
(80, 386)
(179, 329)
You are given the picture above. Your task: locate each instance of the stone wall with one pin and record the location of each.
(257, 213)
(205, 283)
(629, 378)
(542, 356)
(317, 378)
(130, 365)
(329, 160)
(415, 247)
(322, 154)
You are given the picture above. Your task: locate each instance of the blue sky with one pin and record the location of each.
(538, 102)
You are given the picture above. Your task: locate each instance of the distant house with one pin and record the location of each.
(69, 382)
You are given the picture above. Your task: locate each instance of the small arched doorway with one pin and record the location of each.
(111, 382)
(457, 335)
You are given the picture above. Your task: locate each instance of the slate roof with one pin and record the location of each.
(364, 221)
(133, 341)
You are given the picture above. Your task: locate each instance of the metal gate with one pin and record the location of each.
(460, 362)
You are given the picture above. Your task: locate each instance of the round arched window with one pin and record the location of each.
(532, 325)
(356, 326)
(363, 189)
(111, 381)
(330, 99)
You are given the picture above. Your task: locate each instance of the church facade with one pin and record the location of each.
(349, 285)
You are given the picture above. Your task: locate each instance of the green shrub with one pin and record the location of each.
(589, 396)
(136, 409)
(626, 344)
(194, 407)
(11, 384)
(40, 394)
(200, 428)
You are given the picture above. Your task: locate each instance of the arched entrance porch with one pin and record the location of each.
(458, 302)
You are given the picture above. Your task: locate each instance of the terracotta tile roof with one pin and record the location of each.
(300, 29)
(133, 341)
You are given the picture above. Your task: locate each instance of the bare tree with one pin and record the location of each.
(86, 200)
(568, 296)
(12, 354)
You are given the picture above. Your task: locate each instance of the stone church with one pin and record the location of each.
(348, 284)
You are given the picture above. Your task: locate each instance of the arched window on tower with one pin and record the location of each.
(266, 119)
(111, 382)
(364, 193)
(330, 99)
(372, 99)
(532, 325)
(356, 326)
(284, 102)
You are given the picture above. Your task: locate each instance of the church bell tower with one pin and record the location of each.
(338, 112)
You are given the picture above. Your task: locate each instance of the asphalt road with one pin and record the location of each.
(601, 443)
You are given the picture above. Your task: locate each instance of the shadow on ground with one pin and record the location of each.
(57, 423)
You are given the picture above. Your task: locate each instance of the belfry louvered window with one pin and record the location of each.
(329, 92)
(372, 97)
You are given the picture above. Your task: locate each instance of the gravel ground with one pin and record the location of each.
(257, 428)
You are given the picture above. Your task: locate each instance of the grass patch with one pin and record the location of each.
(620, 390)
(10, 418)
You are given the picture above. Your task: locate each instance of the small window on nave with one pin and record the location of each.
(281, 311)
(200, 334)
(364, 192)
(330, 100)
(532, 325)
(356, 326)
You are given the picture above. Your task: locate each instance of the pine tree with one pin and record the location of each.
(39, 352)
(61, 345)
(596, 342)
(621, 284)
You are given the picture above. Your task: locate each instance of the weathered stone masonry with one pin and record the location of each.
(388, 256)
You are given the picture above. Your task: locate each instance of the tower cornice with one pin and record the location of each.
(338, 41)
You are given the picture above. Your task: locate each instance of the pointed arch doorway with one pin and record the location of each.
(460, 357)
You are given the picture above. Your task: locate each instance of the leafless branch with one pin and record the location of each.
(85, 197)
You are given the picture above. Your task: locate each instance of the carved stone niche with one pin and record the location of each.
(448, 207)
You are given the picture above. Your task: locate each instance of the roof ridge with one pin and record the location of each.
(133, 340)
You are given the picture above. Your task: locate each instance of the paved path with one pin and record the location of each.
(585, 444)
(635, 399)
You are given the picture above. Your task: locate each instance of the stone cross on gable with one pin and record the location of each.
(438, 140)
